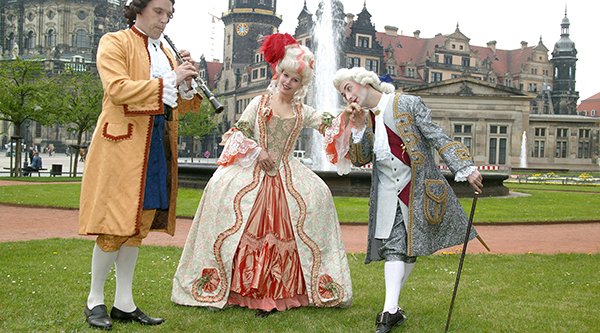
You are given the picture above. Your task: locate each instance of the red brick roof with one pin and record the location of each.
(407, 48)
(592, 103)
(213, 68)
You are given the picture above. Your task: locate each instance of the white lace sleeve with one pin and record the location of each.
(463, 173)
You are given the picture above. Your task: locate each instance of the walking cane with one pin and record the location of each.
(462, 259)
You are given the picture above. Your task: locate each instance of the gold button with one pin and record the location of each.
(377, 112)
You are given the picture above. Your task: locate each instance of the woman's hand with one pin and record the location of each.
(356, 115)
(265, 161)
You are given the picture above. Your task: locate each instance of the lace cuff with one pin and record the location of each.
(336, 138)
(238, 148)
(187, 93)
(356, 135)
(462, 174)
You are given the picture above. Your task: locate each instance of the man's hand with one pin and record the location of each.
(356, 115)
(186, 71)
(476, 180)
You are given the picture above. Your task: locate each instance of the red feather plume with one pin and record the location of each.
(273, 47)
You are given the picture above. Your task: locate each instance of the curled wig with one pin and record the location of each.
(363, 77)
(283, 52)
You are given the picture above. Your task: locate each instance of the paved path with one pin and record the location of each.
(25, 222)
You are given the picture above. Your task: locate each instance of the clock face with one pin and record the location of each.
(242, 29)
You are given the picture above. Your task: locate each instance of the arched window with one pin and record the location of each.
(30, 40)
(226, 84)
(81, 39)
(10, 43)
(51, 42)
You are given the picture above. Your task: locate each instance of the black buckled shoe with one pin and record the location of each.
(386, 321)
(136, 315)
(98, 317)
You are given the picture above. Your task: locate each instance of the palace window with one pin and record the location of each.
(561, 142)
(30, 40)
(448, 59)
(466, 62)
(436, 77)
(80, 39)
(584, 144)
(498, 144)
(353, 62)
(51, 41)
(410, 72)
(363, 42)
(463, 134)
(372, 65)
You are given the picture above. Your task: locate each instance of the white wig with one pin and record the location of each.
(363, 77)
(298, 59)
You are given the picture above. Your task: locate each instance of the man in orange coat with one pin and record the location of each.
(129, 184)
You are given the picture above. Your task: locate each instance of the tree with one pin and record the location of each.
(27, 93)
(83, 97)
(198, 125)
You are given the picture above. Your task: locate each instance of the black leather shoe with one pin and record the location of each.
(98, 317)
(264, 313)
(136, 315)
(386, 321)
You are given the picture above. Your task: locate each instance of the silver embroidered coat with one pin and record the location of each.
(435, 220)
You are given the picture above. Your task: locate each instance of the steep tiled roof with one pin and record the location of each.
(592, 103)
(213, 69)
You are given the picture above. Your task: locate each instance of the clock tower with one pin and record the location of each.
(246, 22)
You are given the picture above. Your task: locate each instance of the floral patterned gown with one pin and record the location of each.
(266, 240)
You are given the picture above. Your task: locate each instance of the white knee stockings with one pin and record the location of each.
(396, 275)
(102, 262)
(125, 265)
(124, 259)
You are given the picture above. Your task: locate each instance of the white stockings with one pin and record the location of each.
(396, 275)
(124, 260)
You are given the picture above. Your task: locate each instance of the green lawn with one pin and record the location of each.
(44, 285)
(540, 206)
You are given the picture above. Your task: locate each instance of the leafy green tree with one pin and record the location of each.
(27, 93)
(83, 97)
(198, 125)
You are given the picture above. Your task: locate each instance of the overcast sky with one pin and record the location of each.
(508, 22)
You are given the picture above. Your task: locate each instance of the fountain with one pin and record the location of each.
(523, 162)
(327, 37)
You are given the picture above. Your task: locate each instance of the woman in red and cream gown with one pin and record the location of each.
(266, 234)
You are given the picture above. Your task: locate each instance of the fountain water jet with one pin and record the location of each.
(327, 36)
(523, 162)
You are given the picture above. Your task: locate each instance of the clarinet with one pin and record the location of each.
(215, 103)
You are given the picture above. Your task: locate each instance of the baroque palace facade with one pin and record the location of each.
(511, 108)
(59, 33)
(483, 96)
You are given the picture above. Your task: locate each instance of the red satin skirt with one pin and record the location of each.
(267, 273)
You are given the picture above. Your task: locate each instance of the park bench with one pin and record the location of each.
(32, 170)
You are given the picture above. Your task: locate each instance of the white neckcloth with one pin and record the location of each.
(381, 145)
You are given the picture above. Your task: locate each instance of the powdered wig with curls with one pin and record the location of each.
(363, 77)
(295, 58)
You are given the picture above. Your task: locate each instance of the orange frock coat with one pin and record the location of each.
(112, 190)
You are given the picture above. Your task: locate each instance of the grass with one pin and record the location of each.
(35, 179)
(541, 206)
(44, 284)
